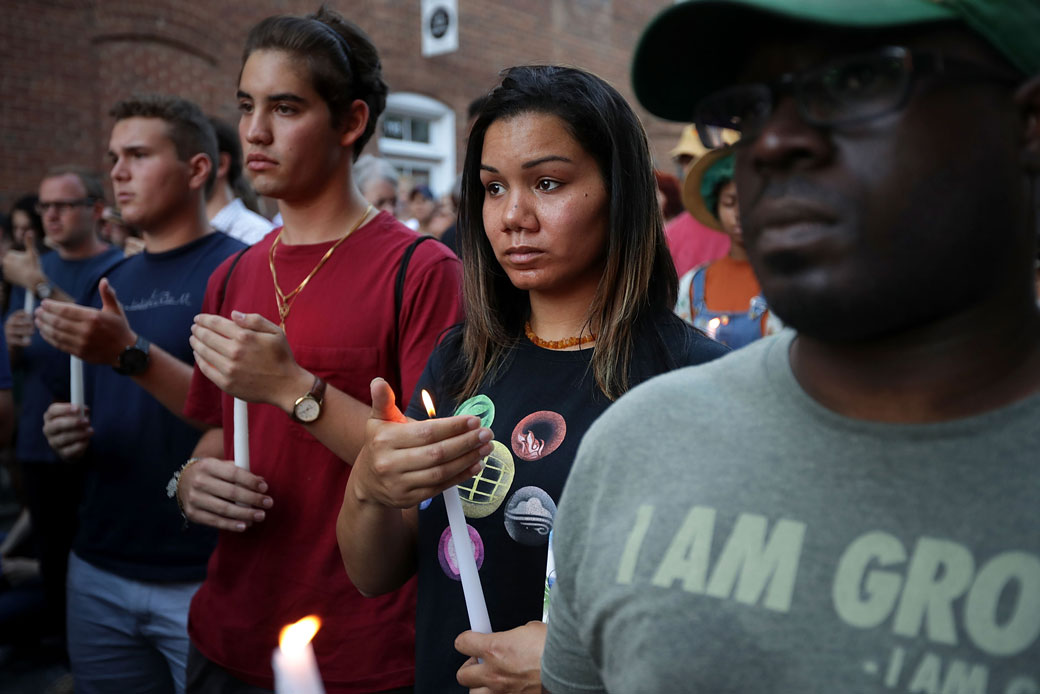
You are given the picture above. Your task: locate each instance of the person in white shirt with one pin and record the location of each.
(225, 207)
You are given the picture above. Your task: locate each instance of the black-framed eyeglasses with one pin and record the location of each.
(842, 92)
(61, 205)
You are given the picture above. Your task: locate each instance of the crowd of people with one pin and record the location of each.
(744, 427)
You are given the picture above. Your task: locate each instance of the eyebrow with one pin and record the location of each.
(543, 160)
(285, 96)
(127, 148)
(531, 164)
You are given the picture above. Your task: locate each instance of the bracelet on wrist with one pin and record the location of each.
(173, 487)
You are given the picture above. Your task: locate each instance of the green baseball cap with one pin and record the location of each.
(700, 40)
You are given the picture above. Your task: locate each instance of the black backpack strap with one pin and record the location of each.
(227, 278)
(402, 273)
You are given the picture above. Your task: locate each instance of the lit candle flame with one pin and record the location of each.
(713, 327)
(428, 401)
(295, 637)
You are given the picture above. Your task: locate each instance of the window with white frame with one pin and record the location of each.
(417, 136)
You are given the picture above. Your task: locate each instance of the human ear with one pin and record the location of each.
(355, 122)
(225, 164)
(199, 167)
(1028, 99)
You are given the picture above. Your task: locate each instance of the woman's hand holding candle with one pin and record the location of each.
(402, 463)
(405, 462)
(511, 660)
(464, 559)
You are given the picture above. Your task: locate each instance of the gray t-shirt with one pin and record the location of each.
(723, 532)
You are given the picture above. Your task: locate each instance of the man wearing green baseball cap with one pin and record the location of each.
(851, 505)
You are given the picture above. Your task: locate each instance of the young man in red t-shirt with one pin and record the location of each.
(298, 327)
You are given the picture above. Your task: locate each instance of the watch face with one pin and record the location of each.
(133, 361)
(307, 410)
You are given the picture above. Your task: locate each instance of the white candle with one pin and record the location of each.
(713, 327)
(471, 589)
(76, 381)
(30, 302)
(241, 434)
(295, 667)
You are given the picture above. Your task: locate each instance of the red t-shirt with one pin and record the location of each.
(341, 327)
(692, 244)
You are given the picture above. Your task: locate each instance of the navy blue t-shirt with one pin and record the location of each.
(539, 407)
(127, 523)
(46, 369)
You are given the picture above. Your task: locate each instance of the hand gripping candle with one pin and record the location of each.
(295, 667)
(476, 608)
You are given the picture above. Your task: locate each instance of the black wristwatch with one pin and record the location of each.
(134, 359)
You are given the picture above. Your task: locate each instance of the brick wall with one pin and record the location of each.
(65, 62)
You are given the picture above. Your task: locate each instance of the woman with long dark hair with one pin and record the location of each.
(569, 289)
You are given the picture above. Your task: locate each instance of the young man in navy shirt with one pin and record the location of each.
(133, 569)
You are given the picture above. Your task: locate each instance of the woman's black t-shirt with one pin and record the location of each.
(539, 407)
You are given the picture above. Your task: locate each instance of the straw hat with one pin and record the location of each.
(693, 195)
(689, 144)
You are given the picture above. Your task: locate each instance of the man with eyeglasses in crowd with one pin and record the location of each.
(863, 515)
(70, 203)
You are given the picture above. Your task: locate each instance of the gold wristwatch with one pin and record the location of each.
(307, 407)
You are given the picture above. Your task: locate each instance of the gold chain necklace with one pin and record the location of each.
(558, 344)
(285, 301)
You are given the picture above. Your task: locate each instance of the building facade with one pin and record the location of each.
(65, 62)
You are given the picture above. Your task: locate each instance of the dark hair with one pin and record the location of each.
(342, 61)
(669, 187)
(228, 143)
(422, 191)
(27, 204)
(476, 106)
(716, 197)
(186, 125)
(638, 278)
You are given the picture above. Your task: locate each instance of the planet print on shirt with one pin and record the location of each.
(538, 434)
(529, 516)
(448, 558)
(479, 406)
(483, 494)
